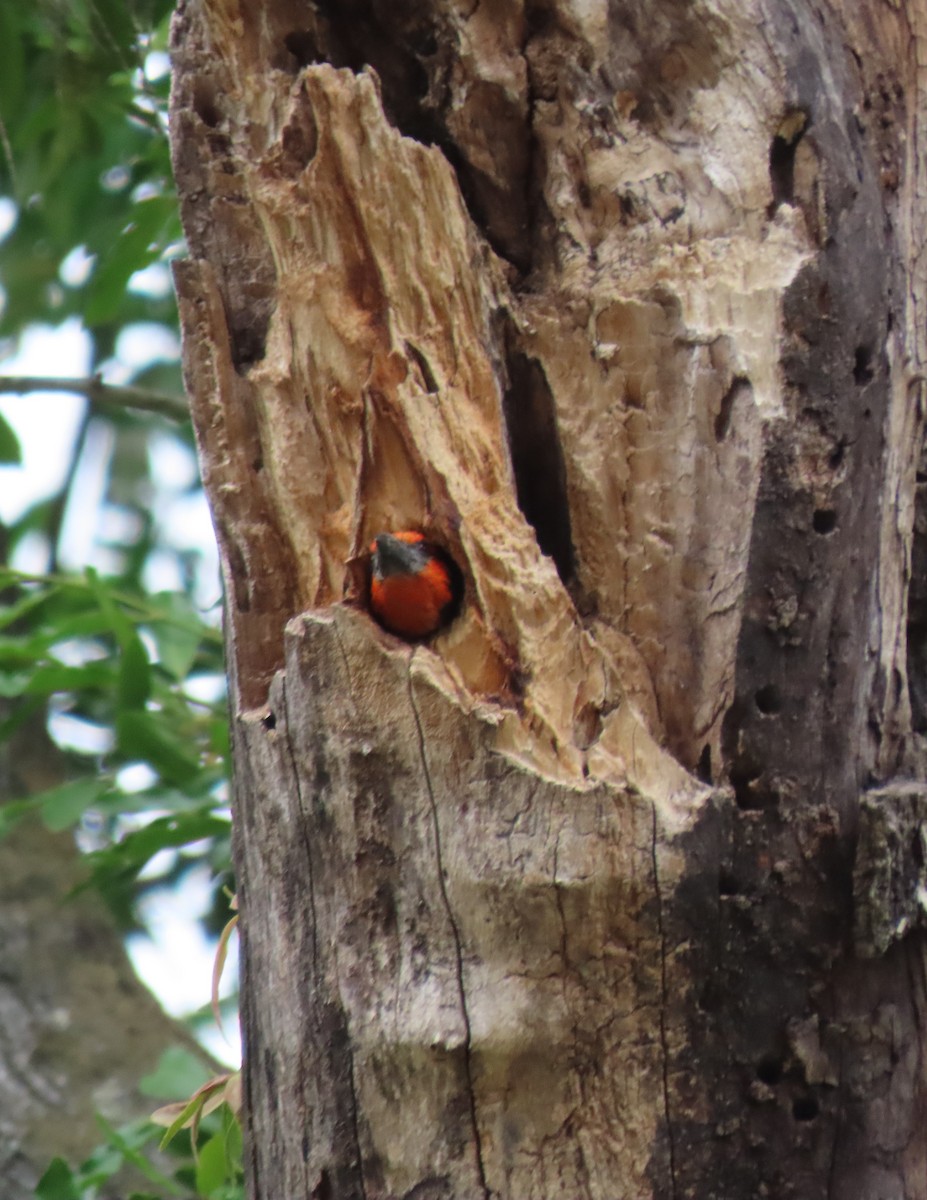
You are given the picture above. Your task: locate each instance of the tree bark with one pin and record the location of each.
(78, 1030)
(615, 888)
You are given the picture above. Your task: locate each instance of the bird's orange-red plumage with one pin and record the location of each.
(415, 587)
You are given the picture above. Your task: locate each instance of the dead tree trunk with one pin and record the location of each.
(614, 890)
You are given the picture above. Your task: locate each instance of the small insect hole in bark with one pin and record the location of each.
(862, 365)
(805, 1108)
(769, 1069)
(727, 884)
(204, 103)
(750, 793)
(768, 700)
(824, 520)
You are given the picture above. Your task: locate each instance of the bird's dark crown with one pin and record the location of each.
(393, 556)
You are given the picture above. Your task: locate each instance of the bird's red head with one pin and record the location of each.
(416, 588)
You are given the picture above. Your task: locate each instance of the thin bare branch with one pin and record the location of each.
(99, 393)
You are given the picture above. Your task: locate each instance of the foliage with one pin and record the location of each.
(121, 662)
(85, 158)
(85, 172)
(213, 1171)
(224, 1089)
(87, 211)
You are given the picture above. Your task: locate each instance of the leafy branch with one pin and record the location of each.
(144, 607)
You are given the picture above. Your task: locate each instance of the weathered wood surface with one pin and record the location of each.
(624, 304)
(485, 971)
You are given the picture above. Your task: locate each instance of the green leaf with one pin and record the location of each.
(139, 243)
(13, 652)
(112, 867)
(143, 735)
(63, 806)
(57, 1183)
(10, 451)
(100, 1166)
(13, 73)
(179, 1073)
(127, 1142)
(234, 1143)
(120, 625)
(178, 637)
(14, 683)
(211, 1167)
(168, 799)
(12, 813)
(25, 605)
(189, 1110)
(134, 675)
(70, 619)
(220, 739)
(46, 681)
(23, 712)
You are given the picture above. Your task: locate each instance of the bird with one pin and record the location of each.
(416, 588)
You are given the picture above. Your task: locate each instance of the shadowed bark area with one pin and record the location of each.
(620, 303)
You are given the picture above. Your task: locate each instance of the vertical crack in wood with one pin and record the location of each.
(352, 1078)
(310, 875)
(565, 958)
(247, 1003)
(536, 454)
(916, 971)
(458, 950)
(558, 900)
(664, 1000)
(832, 1183)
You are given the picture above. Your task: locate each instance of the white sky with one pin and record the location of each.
(46, 422)
(176, 960)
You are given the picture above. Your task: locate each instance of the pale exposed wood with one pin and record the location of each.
(660, 504)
